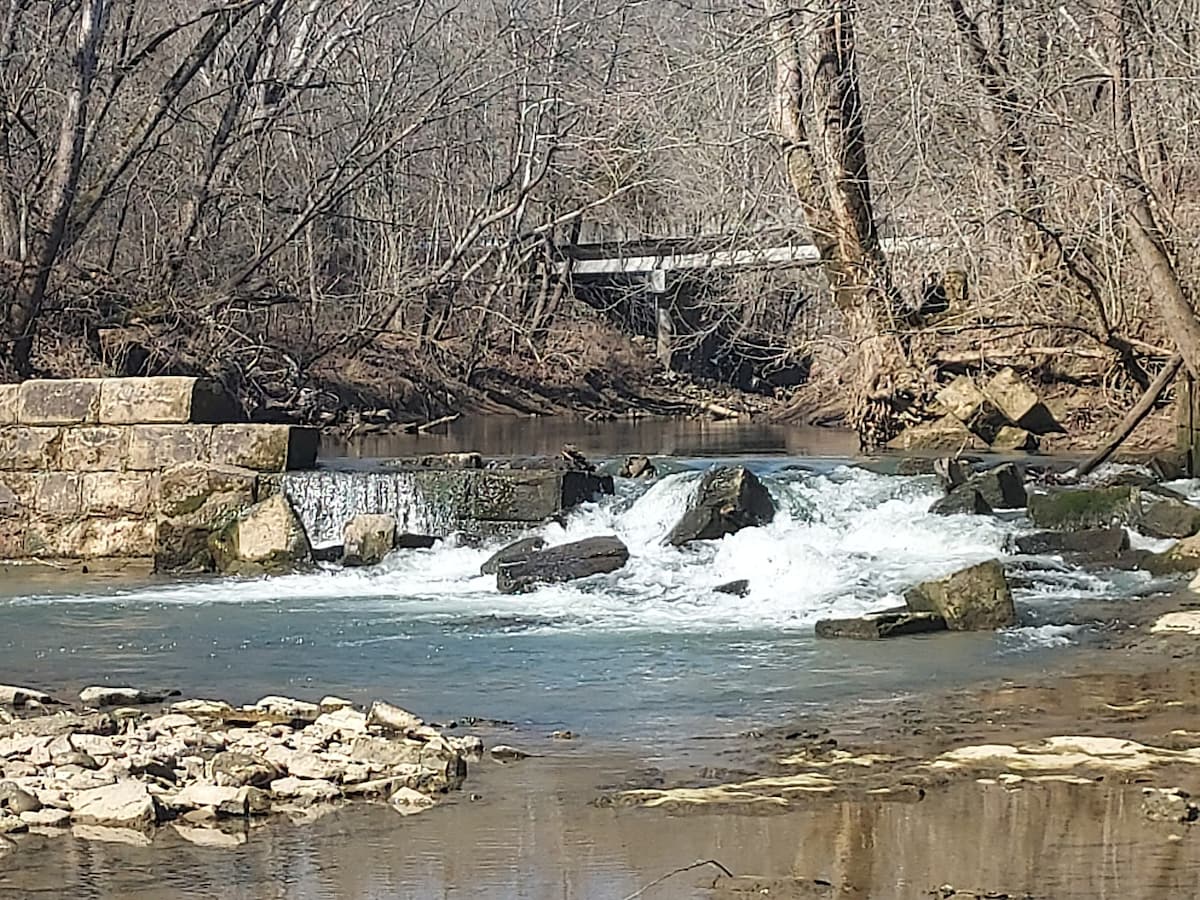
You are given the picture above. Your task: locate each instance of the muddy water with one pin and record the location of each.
(531, 834)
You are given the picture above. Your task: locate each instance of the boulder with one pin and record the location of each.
(875, 626)
(726, 501)
(518, 551)
(1096, 543)
(10, 824)
(196, 501)
(963, 500)
(408, 802)
(288, 709)
(1003, 487)
(305, 792)
(416, 541)
(1162, 515)
(367, 539)
(47, 817)
(101, 695)
(232, 769)
(1012, 439)
(126, 804)
(1072, 509)
(267, 538)
(963, 400)
(1019, 403)
(1183, 557)
(393, 718)
(974, 599)
(506, 754)
(566, 562)
(637, 467)
(17, 800)
(947, 433)
(16, 696)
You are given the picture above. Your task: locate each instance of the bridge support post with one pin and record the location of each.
(656, 287)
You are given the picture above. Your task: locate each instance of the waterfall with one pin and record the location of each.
(326, 500)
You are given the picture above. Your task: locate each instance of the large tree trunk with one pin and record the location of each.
(819, 116)
(1141, 223)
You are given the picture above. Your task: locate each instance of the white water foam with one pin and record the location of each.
(843, 543)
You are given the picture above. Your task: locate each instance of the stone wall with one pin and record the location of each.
(130, 472)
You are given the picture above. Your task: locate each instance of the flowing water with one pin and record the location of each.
(649, 658)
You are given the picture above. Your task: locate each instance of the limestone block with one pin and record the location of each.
(946, 434)
(1020, 404)
(975, 599)
(58, 402)
(12, 539)
(95, 448)
(58, 495)
(165, 400)
(153, 447)
(116, 538)
(117, 493)
(265, 448)
(195, 501)
(265, 538)
(26, 449)
(185, 489)
(9, 394)
(18, 493)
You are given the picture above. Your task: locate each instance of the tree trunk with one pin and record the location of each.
(62, 185)
(1141, 224)
(819, 115)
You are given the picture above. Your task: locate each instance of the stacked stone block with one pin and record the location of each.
(130, 469)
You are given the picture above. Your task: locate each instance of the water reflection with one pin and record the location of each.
(496, 436)
(533, 835)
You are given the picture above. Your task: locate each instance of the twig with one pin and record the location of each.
(1135, 416)
(696, 865)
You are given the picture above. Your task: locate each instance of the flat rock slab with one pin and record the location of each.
(566, 562)
(876, 626)
(1096, 543)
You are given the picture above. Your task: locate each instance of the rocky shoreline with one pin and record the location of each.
(107, 769)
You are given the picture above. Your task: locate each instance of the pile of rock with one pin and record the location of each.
(1005, 415)
(208, 769)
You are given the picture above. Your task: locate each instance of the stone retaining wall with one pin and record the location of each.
(130, 471)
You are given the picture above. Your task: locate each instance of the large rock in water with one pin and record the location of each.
(566, 562)
(875, 626)
(1073, 509)
(127, 804)
(518, 551)
(1000, 488)
(1094, 543)
(367, 539)
(267, 538)
(975, 599)
(728, 500)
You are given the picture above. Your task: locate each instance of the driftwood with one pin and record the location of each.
(1131, 421)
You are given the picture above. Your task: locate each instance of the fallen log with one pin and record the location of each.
(1134, 417)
